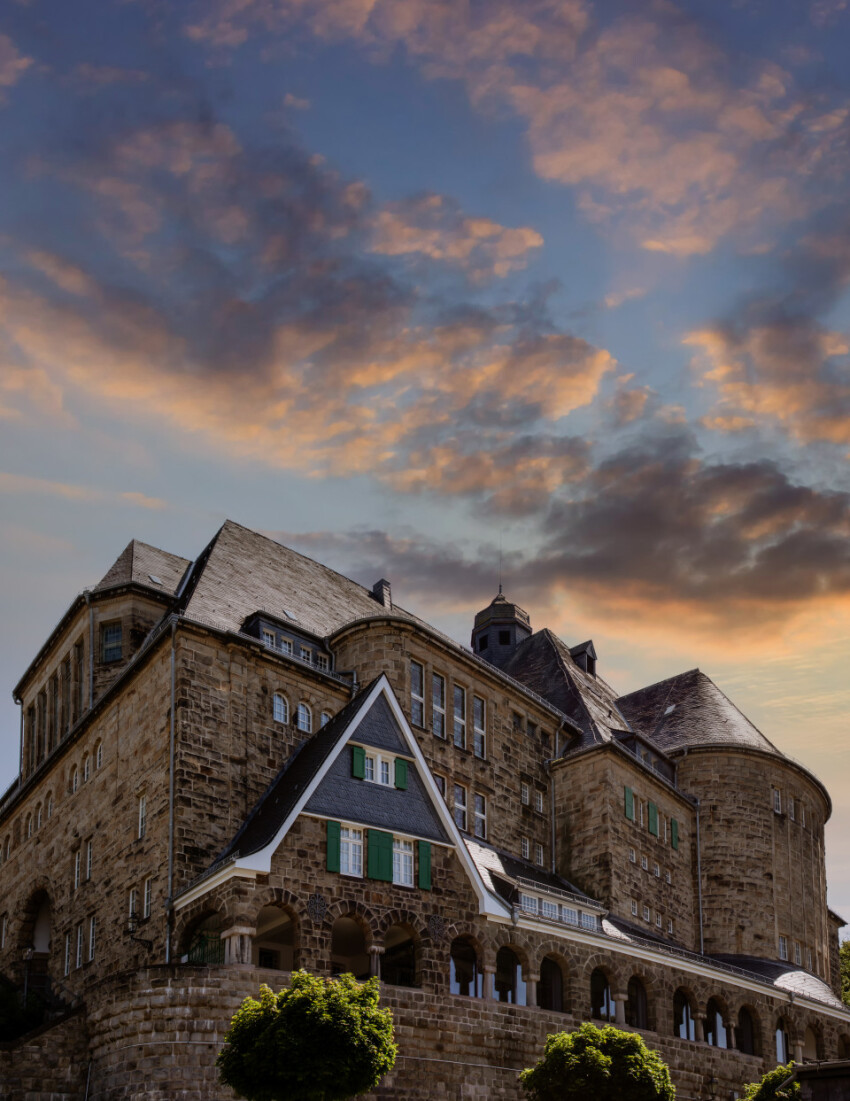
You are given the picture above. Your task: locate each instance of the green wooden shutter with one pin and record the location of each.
(333, 846)
(674, 833)
(653, 819)
(425, 865)
(629, 796)
(401, 774)
(379, 863)
(358, 762)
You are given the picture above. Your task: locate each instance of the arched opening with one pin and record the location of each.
(41, 928)
(683, 1021)
(274, 940)
(550, 988)
(601, 1002)
(464, 968)
(510, 986)
(205, 945)
(398, 963)
(637, 1014)
(746, 1032)
(783, 1047)
(715, 1030)
(348, 949)
(844, 1047)
(810, 1045)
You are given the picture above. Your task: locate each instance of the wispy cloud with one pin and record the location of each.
(13, 64)
(28, 485)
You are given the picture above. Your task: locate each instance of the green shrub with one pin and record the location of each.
(770, 1086)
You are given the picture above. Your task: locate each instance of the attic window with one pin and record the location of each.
(669, 710)
(156, 580)
(504, 638)
(288, 614)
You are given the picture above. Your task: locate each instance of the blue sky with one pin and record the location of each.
(405, 281)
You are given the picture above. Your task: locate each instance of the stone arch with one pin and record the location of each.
(748, 1037)
(363, 915)
(200, 938)
(638, 1001)
(276, 940)
(482, 940)
(350, 928)
(602, 989)
(268, 896)
(398, 916)
(716, 1021)
(511, 978)
(685, 1012)
(844, 1045)
(603, 963)
(551, 953)
(41, 893)
(812, 1040)
(466, 964)
(784, 1036)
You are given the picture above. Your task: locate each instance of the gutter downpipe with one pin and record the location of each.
(168, 902)
(552, 797)
(20, 704)
(91, 648)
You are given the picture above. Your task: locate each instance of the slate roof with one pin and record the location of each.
(785, 976)
(500, 872)
(242, 572)
(139, 563)
(690, 710)
(544, 663)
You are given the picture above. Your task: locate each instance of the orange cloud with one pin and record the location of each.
(13, 64)
(27, 485)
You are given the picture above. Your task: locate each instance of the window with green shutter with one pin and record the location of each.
(358, 762)
(425, 865)
(674, 833)
(653, 819)
(379, 858)
(629, 797)
(401, 774)
(333, 846)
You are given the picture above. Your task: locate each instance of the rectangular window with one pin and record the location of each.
(143, 815)
(438, 705)
(417, 693)
(89, 859)
(110, 642)
(268, 638)
(646, 914)
(67, 969)
(658, 920)
(440, 781)
(549, 910)
(79, 956)
(569, 915)
(538, 801)
(524, 794)
(460, 806)
(644, 863)
(384, 772)
(148, 895)
(305, 654)
(351, 851)
(322, 662)
(531, 729)
(77, 863)
(588, 921)
(285, 646)
(783, 948)
(460, 717)
(632, 856)
(798, 954)
(670, 926)
(402, 862)
(791, 807)
(777, 801)
(809, 958)
(132, 908)
(528, 903)
(656, 871)
(640, 807)
(525, 848)
(369, 768)
(91, 937)
(480, 808)
(538, 854)
(634, 907)
(479, 721)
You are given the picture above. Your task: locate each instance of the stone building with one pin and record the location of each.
(249, 763)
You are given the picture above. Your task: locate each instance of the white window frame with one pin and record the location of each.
(588, 921)
(783, 948)
(131, 906)
(460, 802)
(647, 916)
(528, 903)
(668, 877)
(525, 848)
(634, 907)
(285, 646)
(402, 862)
(269, 638)
(438, 705)
(479, 726)
(79, 956)
(459, 716)
(67, 970)
(379, 769)
(670, 927)
(280, 708)
(322, 662)
(351, 851)
(147, 897)
(549, 909)
(632, 856)
(777, 801)
(798, 954)
(569, 915)
(539, 801)
(98, 755)
(306, 654)
(89, 858)
(659, 921)
(479, 812)
(539, 855)
(640, 806)
(143, 816)
(524, 796)
(92, 937)
(304, 720)
(644, 862)
(656, 870)
(417, 699)
(77, 867)
(111, 640)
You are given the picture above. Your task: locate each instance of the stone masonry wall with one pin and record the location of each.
(50, 1065)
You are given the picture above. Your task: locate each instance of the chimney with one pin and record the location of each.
(382, 592)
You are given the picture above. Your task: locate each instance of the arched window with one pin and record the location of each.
(29, 825)
(550, 988)
(86, 768)
(510, 986)
(601, 1002)
(280, 708)
(206, 945)
(782, 1046)
(325, 718)
(98, 755)
(464, 973)
(38, 816)
(398, 963)
(305, 718)
(715, 1030)
(274, 940)
(810, 1045)
(348, 949)
(683, 1021)
(50, 805)
(75, 779)
(636, 1006)
(745, 1032)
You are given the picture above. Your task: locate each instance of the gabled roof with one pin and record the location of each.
(545, 664)
(141, 564)
(689, 710)
(242, 572)
(503, 874)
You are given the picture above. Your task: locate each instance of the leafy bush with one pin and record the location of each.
(770, 1086)
(606, 1064)
(316, 1040)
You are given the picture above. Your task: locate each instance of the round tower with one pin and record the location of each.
(499, 629)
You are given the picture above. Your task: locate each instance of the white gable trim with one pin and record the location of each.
(259, 863)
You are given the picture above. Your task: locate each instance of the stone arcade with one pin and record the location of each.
(248, 763)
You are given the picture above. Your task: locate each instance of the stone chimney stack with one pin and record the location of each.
(382, 592)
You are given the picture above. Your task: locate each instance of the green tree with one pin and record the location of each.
(844, 958)
(772, 1086)
(316, 1040)
(606, 1064)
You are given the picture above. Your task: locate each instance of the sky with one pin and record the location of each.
(420, 287)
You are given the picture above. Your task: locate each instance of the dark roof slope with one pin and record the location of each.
(140, 564)
(689, 710)
(242, 572)
(786, 976)
(544, 663)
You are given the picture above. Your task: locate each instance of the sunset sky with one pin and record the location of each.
(404, 282)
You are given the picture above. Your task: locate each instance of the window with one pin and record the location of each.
(569, 915)
(517, 721)
(402, 862)
(79, 956)
(86, 768)
(460, 806)
(644, 863)
(305, 718)
(634, 907)
(77, 864)
(38, 817)
(791, 807)
(322, 662)
(641, 805)
(148, 892)
(91, 937)
(479, 721)
(460, 717)
(809, 958)
(89, 858)
(658, 920)
(646, 914)
(384, 772)
(110, 642)
(528, 903)
(803, 815)
(417, 693)
(325, 719)
(438, 705)
(777, 801)
(98, 755)
(351, 851)
(531, 729)
(538, 801)
(132, 908)
(670, 926)
(524, 794)
(480, 810)
(549, 910)
(29, 825)
(378, 769)
(143, 815)
(798, 954)
(305, 654)
(268, 638)
(525, 848)
(483, 642)
(440, 781)
(75, 780)
(280, 708)
(538, 854)
(67, 968)
(504, 638)
(783, 948)
(50, 805)
(369, 769)
(668, 878)
(285, 646)
(656, 870)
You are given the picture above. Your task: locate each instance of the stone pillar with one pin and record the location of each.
(730, 1034)
(237, 944)
(699, 1028)
(489, 982)
(531, 982)
(620, 1008)
(798, 1051)
(375, 953)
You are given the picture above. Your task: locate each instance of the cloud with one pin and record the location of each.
(29, 486)
(296, 103)
(13, 64)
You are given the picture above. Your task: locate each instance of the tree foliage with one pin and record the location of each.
(316, 1040)
(606, 1064)
(772, 1086)
(844, 957)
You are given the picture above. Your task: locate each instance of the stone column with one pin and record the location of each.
(531, 982)
(798, 1051)
(730, 1034)
(237, 944)
(490, 982)
(620, 1008)
(375, 953)
(699, 1028)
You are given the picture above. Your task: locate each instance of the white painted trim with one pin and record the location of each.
(206, 885)
(357, 824)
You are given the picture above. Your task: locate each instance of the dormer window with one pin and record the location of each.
(483, 642)
(504, 638)
(110, 642)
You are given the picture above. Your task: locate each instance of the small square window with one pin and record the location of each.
(322, 662)
(285, 646)
(305, 654)
(268, 638)
(528, 903)
(549, 910)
